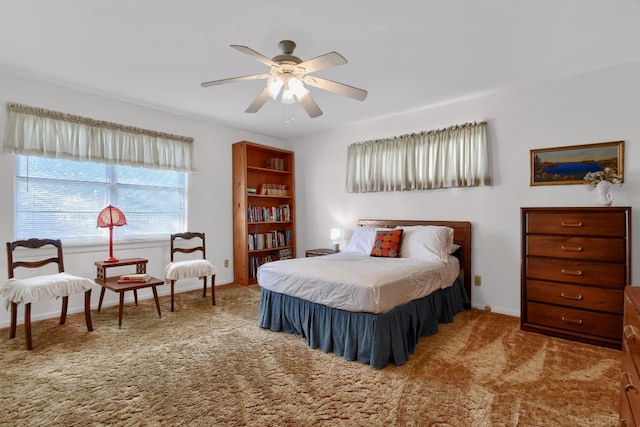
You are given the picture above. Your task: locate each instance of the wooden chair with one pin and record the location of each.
(41, 287)
(200, 268)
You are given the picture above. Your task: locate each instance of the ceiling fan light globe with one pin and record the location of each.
(295, 83)
(274, 84)
(301, 94)
(296, 86)
(288, 97)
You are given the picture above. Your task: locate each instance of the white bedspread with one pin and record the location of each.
(358, 283)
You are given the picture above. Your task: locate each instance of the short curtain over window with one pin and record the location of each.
(38, 132)
(454, 157)
(68, 168)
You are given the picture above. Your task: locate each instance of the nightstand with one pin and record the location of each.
(320, 252)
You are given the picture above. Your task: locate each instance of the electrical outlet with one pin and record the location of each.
(226, 263)
(477, 280)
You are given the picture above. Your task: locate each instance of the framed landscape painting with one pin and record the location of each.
(569, 165)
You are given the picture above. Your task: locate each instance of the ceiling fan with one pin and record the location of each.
(287, 76)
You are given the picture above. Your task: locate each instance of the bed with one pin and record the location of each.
(372, 309)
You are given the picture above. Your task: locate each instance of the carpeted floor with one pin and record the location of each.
(210, 366)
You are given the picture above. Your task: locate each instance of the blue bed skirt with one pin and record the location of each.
(376, 339)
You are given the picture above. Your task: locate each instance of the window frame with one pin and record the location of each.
(113, 187)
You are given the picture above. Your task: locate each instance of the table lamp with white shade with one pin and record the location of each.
(336, 234)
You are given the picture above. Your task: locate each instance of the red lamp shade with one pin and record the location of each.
(111, 217)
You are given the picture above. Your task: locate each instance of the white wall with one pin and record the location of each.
(210, 197)
(595, 107)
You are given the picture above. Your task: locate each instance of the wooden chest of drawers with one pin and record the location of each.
(629, 378)
(576, 263)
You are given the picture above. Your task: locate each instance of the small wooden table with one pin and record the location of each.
(112, 282)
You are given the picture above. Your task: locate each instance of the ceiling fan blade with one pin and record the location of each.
(235, 79)
(339, 88)
(322, 62)
(310, 106)
(255, 55)
(258, 102)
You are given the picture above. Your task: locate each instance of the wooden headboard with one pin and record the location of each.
(461, 236)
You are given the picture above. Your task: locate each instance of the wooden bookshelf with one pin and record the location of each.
(263, 208)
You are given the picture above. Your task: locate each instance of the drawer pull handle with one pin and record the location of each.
(576, 297)
(572, 272)
(626, 381)
(572, 224)
(624, 423)
(572, 248)
(576, 321)
(630, 332)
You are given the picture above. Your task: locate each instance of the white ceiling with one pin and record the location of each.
(409, 55)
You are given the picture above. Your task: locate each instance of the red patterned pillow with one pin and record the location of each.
(387, 244)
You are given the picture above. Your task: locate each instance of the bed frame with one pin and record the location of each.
(375, 339)
(461, 236)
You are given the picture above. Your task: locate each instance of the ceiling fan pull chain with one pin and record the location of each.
(288, 118)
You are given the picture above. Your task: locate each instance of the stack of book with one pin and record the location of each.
(274, 190)
(268, 214)
(255, 262)
(268, 240)
(275, 164)
(134, 278)
(286, 253)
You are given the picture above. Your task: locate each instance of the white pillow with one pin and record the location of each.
(362, 240)
(427, 241)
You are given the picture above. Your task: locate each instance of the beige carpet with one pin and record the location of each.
(206, 366)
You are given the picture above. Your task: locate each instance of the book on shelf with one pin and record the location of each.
(255, 262)
(275, 164)
(134, 278)
(269, 240)
(274, 190)
(268, 214)
(285, 253)
(285, 213)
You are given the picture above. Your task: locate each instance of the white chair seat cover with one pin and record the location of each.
(192, 268)
(43, 287)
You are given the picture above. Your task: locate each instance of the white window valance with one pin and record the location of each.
(35, 131)
(454, 157)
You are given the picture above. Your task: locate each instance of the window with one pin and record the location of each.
(453, 157)
(69, 168)
(57, 198)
